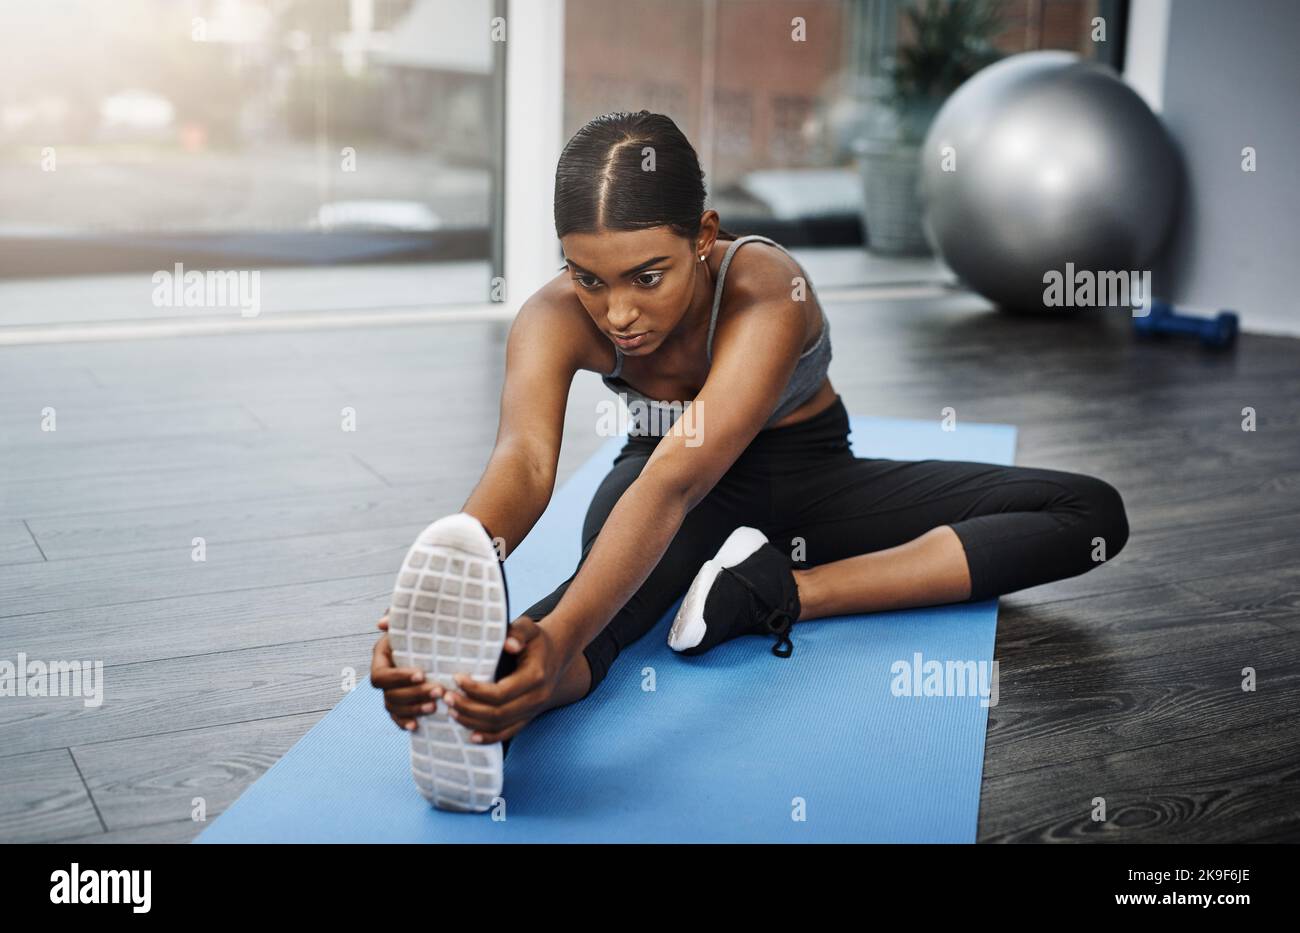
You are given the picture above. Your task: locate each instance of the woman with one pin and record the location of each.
(743, 490)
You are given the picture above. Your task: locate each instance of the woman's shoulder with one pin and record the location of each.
(760, 269)
(761, 272)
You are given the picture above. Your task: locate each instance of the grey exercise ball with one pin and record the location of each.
(1053, 160)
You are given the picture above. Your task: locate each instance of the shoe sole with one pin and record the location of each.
(689, 626)
(449, 615)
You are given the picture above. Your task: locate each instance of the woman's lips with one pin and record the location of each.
(627, 343)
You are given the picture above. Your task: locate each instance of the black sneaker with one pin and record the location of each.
(747, 588)
(449, 614)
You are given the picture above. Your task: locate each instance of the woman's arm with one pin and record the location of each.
(545, 348)
(755, 352)
(543, 352)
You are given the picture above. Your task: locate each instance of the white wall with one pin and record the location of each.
(1225, 76)
(1148, 38)
(534, 140)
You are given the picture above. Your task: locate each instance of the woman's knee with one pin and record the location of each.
(1106, 516)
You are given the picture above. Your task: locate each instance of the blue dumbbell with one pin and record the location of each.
(1218, 331)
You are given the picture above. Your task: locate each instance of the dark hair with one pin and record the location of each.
(600, 184)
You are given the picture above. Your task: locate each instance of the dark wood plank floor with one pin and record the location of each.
(1123, 684)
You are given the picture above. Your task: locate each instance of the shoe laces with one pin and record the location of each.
(776, 621)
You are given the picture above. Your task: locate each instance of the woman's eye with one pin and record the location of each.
(657, 278)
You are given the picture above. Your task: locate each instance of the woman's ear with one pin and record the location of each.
(708, 234)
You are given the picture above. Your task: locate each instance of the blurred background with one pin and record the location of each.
(275, 133)
(219, 131)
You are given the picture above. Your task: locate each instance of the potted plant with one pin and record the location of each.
(950, 41)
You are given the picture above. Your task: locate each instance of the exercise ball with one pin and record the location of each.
(1044, 159)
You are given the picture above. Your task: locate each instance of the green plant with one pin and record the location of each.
(952, 39)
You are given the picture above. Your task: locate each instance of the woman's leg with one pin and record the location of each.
(701, 534)
(578, 680)
(887, 534)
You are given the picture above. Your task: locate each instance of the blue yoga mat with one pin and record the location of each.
(731, 746)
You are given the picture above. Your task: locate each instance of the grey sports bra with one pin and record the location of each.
(807, 377)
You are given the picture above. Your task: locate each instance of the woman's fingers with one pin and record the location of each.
(384, 675)
(487, 738)
(409, 710)
(392, 678)
(493, 706)
(413, 694)
(381, 657)
(477, 696)
(406, 703)
(522, 630)
(406, 695)
(473, 714)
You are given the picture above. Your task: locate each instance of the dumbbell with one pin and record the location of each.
(1218, 331)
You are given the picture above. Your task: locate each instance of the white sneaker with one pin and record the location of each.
(689, 628)
(449, 615)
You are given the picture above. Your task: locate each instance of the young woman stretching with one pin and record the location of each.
(752, 498)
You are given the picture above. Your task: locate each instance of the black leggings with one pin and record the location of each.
(1020, 526)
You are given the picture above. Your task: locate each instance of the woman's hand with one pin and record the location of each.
(406, 695)
(498, 711)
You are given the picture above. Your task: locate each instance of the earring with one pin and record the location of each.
(701, 259)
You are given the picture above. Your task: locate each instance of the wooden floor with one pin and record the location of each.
(1122, 684)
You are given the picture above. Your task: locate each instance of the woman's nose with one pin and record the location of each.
(624, 322)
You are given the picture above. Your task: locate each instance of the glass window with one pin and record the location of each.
(286, 130)
(778, 97)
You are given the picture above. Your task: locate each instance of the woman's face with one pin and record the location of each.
(638, 283)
